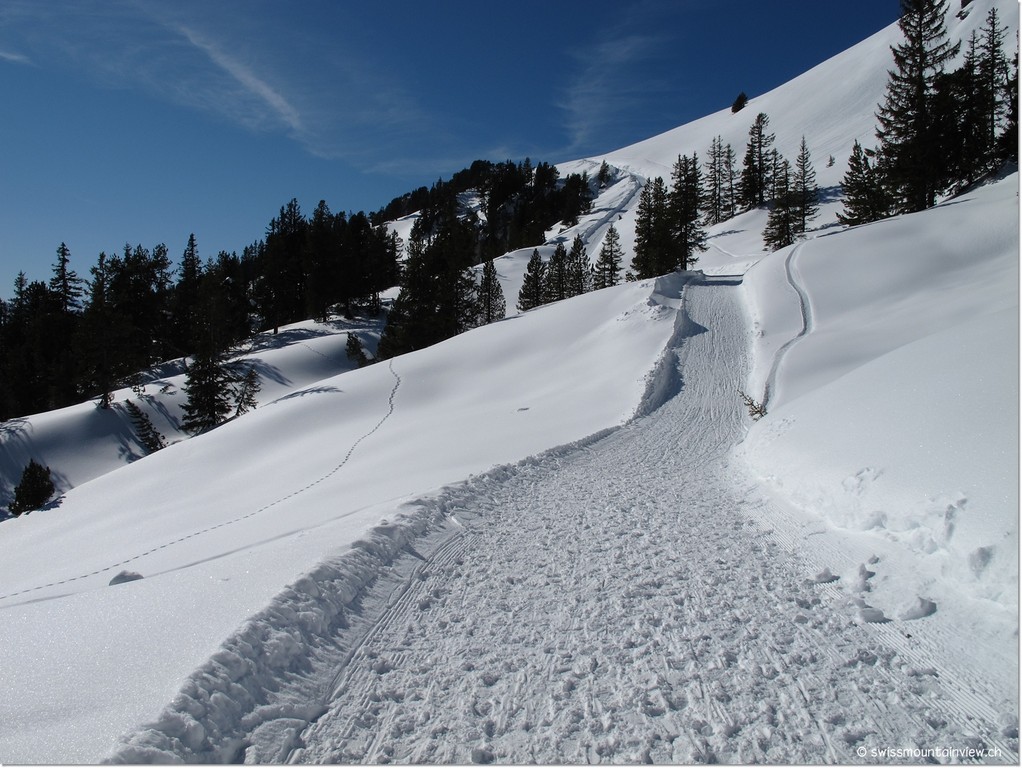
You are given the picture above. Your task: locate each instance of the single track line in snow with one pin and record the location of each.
(127, 561)
(794, 279)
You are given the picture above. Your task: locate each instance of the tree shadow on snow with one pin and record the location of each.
(304, 392)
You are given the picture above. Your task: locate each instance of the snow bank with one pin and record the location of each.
(893, 404)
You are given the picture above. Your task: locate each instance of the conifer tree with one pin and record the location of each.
(864, 192)
(579, 269)
(58, 326)
(913, 165)
(33, 490)
(719, 184)
(100, 338)
(780, 226)
(755, 181)
(993, 75)
(186, 298)
(246, 389)
(492, 305)
(653, 248)
(683, 206)
(65, 284)
(1007, 142)
(356, 351)
(207, 386)
(531, 294)
(555, 286)
(608, 264)
(804, 191)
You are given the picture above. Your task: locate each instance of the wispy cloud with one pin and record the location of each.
(330, 99)
(17, 58)
(248, 79)
(607, 90)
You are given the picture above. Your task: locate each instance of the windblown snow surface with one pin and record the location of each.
(561, 537)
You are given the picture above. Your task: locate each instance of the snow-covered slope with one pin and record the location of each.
(887, 356)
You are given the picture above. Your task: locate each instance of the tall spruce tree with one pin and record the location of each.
(994, 75)
(654, 254)
(683, 211)
(208, 387)
(60, 326)
(780, 226)
(185, 306)
(608, 263)
(532, 292)
(555, 285)
(579, 269)
(864, 192)
(65, 284)
(719, 184)
(805, 193)
(912, 162)
(755, 181)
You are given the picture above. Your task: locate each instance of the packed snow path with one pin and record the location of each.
(620, 603)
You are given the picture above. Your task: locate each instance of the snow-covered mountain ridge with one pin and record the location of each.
(888, 459)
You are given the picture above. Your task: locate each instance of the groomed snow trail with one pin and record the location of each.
(619, 602)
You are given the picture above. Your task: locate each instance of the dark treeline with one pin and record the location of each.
(520, 202)
(79, 337)
(76, 337)
(440, 296)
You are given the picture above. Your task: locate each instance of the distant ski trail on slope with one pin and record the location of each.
(346, 458)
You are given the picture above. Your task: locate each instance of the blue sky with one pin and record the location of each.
(142, 122)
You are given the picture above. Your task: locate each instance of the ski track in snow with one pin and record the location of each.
(346, 458)
(794, 279)
(614, 600)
